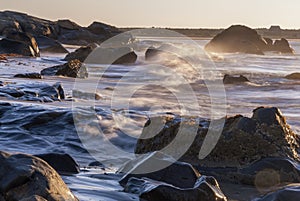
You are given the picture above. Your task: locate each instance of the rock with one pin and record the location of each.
(176, 173)
(81, 53)
(15, 47)
(283, 46)
(205, 189)
(26, 38)
(29, 75)
(3, 58)
(33, 92)
(47, 44)
(73, 68)
(62, 163)
(237, 38)
(229, 79)
(287, 193)
(25, 177)
(86, 95)
(269, 42)
(293, 76)
(68, 24)
(242, 142)
(101, 28)
(121, 55)
(163, 50)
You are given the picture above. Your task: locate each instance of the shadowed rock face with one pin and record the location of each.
(72, 68)
(8, 46)
(242, 39)
(81, 53)
(291, 192)
(243, 140)
(178, 181)
(229, 79)
(24, 177)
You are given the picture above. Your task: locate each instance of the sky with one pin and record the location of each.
(165, 13)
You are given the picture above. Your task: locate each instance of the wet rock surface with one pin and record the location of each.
(177, 181)
(242, 39)
(24, 177)
(229, 79)
(33, 92)
(73, 68)
(29, 75)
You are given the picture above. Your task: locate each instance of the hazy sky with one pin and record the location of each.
(165, 13)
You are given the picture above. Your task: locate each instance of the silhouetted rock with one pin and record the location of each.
(176, 173)
(237, 38)
(242, 39)
(47, 44)
(283, 46)
(293, 76)
(62, 163)
(29, 75)
(118, 55)
(242, 142)
(73, 68)
(25, 177)
(101, 28)
(81, 53)
(287, 193)
(67, 24)
(204, 189)
(229, 79)
(26, 38)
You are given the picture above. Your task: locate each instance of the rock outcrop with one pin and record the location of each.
(293, 76)
(229, 79)
(81, 53)
(25, 177)
(73, 68)
(242, 39)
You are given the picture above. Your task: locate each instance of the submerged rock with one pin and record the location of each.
(29, 75)
(25, 177)
(33, 92)
(62, 163)
(243, 140)
(229, 79)
(242, 39)
(204, 189)
(73, 68)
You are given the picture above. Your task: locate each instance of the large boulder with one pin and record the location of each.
(243, 140)
(47, 44)
(101, 28)
(81, 53)
(242, 39)
(25, 177)
(73, 68)
(118, 55)
(8, 46)
(283, 46)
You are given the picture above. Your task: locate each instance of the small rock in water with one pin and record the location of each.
(81, 54)
(229, 79)
(29, 75)
(293, 76)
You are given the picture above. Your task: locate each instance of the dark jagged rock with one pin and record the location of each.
(26, 38)
(67, 24)
(33, 92)
(165, 49)
(62, 163)
(293, 76)
(101, 28)
(81, 53)
(47, 44)
(15, 47)
(120, 55)
(229, 79)
(287, 193)
(283, 46)
(204, 189)
(24, 177)
(179, 174)
(242, 39)
(29, 75)
(73, 68)
(242, 142)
